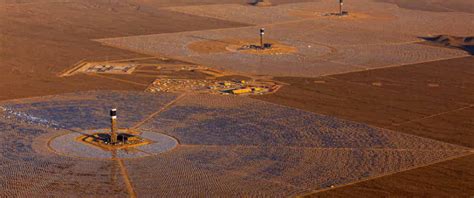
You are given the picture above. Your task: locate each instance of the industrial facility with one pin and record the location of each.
(234, 87)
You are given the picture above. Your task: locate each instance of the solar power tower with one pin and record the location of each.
(341, 3)
(113, 120)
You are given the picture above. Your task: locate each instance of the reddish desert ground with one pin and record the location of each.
(377, 103)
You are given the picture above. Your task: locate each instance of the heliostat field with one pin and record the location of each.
(225, 145)
(373, 35)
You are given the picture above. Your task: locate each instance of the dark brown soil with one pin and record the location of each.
(453, 178)
(435, 5)
(432, 100)
(234, 78)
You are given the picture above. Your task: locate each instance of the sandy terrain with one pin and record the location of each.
(429, 106)
(40, 40)
(452, 178)
(435, 5)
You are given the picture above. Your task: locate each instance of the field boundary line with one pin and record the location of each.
(380, 88)
(387, 174)
(159, 111)
(68, 71)
(101, 40)
(366, 68)
(150, 75)
(386, 44)
(433, 115)
(117, 79)
(129, 59)
(8, 5)
(367, 124)
(126, 177)
(460, 149)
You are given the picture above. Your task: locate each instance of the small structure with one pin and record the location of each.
(241, 91)
(341, 9)
(261, 3)
(341, 3)
(109, 68)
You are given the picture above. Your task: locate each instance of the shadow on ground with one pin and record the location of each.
(463, 43)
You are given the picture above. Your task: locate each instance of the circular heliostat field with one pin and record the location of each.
(240, 46)
(228, 146)
(70, 144)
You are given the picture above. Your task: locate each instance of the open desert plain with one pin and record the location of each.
(236, 98)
